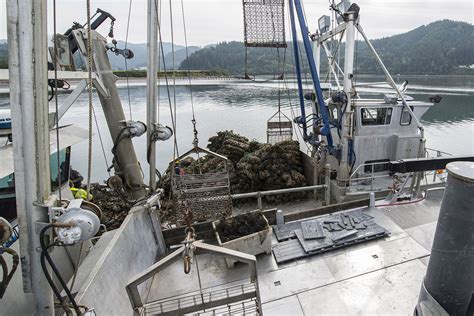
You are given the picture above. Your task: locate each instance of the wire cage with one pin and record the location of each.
(207, 194)
(264, 23)
(279, 128)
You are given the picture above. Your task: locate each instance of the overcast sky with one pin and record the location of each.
(211, 21)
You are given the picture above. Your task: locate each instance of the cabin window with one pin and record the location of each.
(405, 118)
(372, 166)
(64, 168)
(376, 116)
(7, 182)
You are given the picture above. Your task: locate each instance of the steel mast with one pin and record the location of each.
(151, 112)
(27, 60)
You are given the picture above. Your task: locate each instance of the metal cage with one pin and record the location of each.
(207, 195)
(239, 298)
(279, 128)
(264, 23)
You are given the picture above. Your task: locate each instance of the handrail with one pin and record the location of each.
(438, 152)
(260, 194)
(367, 164)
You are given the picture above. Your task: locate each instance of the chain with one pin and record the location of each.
(188, 242)
(196, 139)
(89, 61)
(111, 31)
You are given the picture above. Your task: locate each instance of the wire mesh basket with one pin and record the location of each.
(264, 23)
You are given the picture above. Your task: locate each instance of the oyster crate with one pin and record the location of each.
(252, 244)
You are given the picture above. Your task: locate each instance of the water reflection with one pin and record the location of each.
(245, 106)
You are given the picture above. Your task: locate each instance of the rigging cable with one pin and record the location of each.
(195, 141)
(101, 142)
(126, 60)
(175, 151)
(173, 121)
(56, 106)
(89, 90)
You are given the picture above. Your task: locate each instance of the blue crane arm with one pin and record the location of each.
(326, 129)
(296, 57)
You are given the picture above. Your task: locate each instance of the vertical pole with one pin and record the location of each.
(344, 167)
(259, 201)
(327, 182)
(27, 53)
(317, 53)
(151, 108)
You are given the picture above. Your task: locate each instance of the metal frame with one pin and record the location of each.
(200, 248)
(27, 57)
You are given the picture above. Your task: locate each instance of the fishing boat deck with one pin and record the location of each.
(381, 276)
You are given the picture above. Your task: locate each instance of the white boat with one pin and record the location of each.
(138, 268)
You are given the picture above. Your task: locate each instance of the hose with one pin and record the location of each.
(45, 254)
(7, 276)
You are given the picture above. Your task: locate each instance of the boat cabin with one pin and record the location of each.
(68, 135)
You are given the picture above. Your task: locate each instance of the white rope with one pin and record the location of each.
(89, 70)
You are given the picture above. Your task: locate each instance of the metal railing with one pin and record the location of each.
(260, 194)
(372, 177)
(439, 153)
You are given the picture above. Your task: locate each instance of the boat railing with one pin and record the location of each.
(439, 153)
(260, 194)
(355, 178)
(372, 176)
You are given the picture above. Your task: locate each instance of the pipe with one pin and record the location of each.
(151, 106)
(274, 192)
(449, 279)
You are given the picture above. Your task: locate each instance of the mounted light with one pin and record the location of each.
(324, 23)
(343, 7)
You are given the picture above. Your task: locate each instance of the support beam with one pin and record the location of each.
(424, 164)
(127, 162)
(344, 169)
(27, 62)
(151, 105)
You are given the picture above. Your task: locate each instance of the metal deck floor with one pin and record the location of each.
(381, 276)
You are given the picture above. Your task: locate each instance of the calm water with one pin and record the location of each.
(244, 107)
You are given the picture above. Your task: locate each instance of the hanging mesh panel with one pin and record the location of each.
(207, 195)
(264, 23)
(279, 128)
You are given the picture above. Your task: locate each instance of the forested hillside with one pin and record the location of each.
(442, 47)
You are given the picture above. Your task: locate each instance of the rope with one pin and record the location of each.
(101, 142)
(89, 61)
(173, 121)
(126, 60)
(193, 121)
(56, 106)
